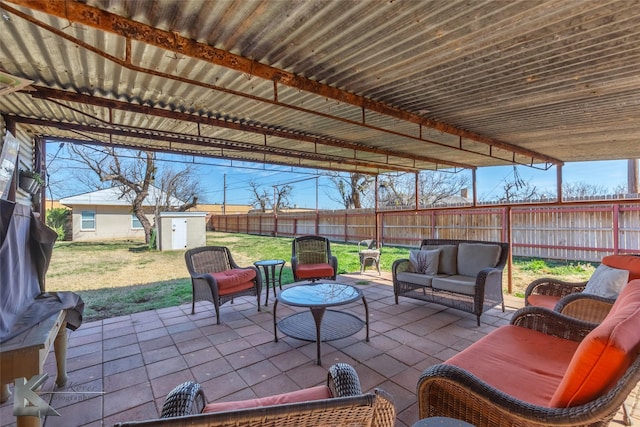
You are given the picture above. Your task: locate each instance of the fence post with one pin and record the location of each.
(380, 228)
(346, 231)
(433, 224)
(616, 228)
(507, 234)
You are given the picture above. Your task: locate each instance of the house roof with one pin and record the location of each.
(114, 197)
(369, 86)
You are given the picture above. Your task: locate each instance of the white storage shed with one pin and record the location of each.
(181, 230)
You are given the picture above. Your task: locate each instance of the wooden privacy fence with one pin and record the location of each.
(579, 231)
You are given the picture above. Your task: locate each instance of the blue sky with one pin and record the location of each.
(214, 172)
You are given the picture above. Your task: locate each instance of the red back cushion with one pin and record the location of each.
(631, 263)
(605, 354)
(313, 393)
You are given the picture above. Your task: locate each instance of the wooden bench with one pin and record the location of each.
(24, 355)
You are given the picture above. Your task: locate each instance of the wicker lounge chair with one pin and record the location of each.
(217, 278)
(311, 259)
(349, 407)
(525, 374)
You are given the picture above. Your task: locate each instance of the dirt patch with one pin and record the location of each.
(73, 271)
(124, 264)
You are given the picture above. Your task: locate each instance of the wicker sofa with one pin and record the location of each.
(543, 369)
(468, 275)
(339, 403)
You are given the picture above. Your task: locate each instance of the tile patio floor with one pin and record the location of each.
(122, 368)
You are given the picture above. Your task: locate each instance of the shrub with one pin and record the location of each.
(57, 219)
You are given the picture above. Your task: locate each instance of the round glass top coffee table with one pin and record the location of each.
(319, 324)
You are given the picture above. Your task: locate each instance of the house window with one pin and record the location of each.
(135, 222)
(88, 220)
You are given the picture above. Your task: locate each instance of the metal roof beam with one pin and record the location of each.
(48, 93)
(209, 142)
(106, 21)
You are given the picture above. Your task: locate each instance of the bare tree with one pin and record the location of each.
(351, 189)
(515, 190)
(260, 197)
(178, 190)
(396, 191)
(134, 172)
(282, 194)
(582, 190)
(434, 187)
(440, 187)
(519, 191)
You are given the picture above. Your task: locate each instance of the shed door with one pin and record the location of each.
(178, 233)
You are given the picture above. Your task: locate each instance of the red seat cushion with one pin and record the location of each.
(605, 354)
(234, 280)
(631, 263)
(310, 271)
(305, 395)
(545, 301)
(520, 362)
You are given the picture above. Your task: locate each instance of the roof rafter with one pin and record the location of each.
(48, 93)
(215, 143)
(132, 30)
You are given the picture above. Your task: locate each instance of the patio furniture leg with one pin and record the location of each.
(60, 349)
(366, 315)
(318, 314)
(626, 420)
(275, 330)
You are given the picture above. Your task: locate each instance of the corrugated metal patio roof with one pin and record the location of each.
(369, 86)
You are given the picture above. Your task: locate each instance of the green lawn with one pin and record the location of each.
(131, 282)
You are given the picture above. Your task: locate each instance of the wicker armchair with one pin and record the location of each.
(568, 297)
(369, 254)
(448, 390)
(311, 259)
(349, 407)
(217, 278)
(549, 292)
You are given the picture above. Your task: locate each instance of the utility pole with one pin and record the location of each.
(275, 212)
(275, 201)
(224, 194)
(632, 176)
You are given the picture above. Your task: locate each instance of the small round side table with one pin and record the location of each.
(272, 274)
